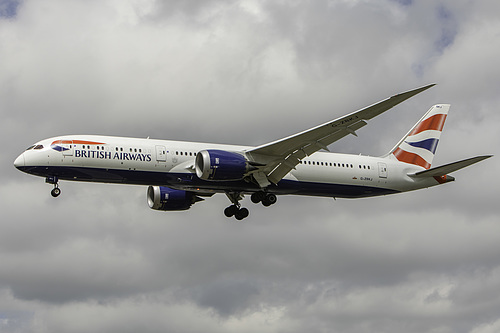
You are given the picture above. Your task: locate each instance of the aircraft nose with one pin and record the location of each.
(19, 162)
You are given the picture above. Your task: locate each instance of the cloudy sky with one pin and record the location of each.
(97, 259)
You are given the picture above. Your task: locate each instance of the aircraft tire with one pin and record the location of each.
(269, 200)
(241, 214)
(230, 211)
(257, 197)
(56, 191)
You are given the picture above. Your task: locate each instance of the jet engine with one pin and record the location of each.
(166, 198)
(221, 165)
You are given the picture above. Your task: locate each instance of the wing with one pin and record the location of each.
(274, 160)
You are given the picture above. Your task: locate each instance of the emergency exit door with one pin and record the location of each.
(382, 170)
(161, 154)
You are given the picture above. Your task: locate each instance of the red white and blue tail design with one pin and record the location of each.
(419, 145)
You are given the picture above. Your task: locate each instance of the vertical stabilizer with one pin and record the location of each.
(419, 145)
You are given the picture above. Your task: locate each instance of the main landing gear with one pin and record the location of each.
(235, 209)
(267, 199)
(56, 191)
(239, 212)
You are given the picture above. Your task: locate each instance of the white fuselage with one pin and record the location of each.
(171, 163)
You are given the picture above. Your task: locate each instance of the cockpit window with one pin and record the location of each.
(37, 147)
(30, 147)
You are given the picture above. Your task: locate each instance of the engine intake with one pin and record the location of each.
(166, 198)
(220, 165)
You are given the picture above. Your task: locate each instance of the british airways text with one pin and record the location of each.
(107, 155)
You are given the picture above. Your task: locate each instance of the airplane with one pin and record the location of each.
(179, 174)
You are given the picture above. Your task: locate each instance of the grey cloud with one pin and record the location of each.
(227, 297)
(98, 259)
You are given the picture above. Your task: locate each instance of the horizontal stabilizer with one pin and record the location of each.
(445, 169)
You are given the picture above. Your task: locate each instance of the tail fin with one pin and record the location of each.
(419, 145)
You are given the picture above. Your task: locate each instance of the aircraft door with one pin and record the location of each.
(382, 170)
(67, 147)
(161, 154)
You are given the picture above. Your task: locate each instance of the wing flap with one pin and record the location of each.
(291, 161)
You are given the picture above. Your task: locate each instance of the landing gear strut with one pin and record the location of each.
(235, 209)
(56, 191)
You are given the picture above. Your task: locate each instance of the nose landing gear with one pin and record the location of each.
(56, 191)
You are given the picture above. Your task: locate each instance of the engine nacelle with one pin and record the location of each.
(220, 165)
(166, 198)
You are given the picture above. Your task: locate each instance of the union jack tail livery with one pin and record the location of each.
(419, 145)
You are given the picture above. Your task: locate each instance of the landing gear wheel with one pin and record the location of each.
(257, 197)
(235, 209)
(56, 191)
(241, 214)
(238, 213)
(269, 200)
(231, 211)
